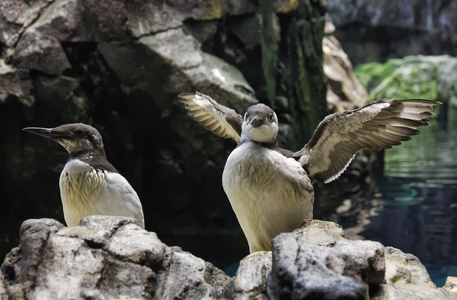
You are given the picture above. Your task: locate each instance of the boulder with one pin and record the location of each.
(249, 281)
(104, 257)
(303, 258)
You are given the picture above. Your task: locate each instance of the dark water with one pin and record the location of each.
(415, 205)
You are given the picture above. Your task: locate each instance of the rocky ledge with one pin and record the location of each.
(106, 257)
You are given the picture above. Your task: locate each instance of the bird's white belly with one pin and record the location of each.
(269, 193)
(85, 191)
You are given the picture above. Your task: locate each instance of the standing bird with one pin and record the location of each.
(270, 188)
(89, 184)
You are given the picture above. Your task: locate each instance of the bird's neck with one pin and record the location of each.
(87, 154)
(95, 158)
(270, 145)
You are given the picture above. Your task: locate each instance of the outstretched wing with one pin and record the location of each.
(378, 125)
(217, 118)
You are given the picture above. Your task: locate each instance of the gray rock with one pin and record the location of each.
(300, 263)
(194, 69)
(407, 278)
(408, 28)
(39, 52)
(16, 16)
(190, 69)
(3, 294)
(103, 257)
(151, 17)
(361, 260)
(102, 20)
(14, 83)
(189, 277)
(62, 93)
(450, 286)
(249, 281)
(20, 268)
(137, 246)
(304, 275)
(62, 20)
(344, 91)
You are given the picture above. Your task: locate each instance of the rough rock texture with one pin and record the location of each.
(407, 278)
(302, 259)
(112, 257)
(379, 30)
(451, 286)
(344, 91)
(249, 281)
(103, 257)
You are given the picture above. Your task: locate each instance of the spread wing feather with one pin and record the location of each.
(217, 118)
(378, 125)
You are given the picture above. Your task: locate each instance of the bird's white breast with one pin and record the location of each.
(86, 191)
(269, 193)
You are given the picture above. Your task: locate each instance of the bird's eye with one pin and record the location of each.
(79, 132)
(246, 116)
(271, 117)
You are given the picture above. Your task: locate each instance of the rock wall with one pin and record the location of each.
(374, 31)
(111, 257)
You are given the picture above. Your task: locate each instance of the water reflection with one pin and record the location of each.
(415, 205)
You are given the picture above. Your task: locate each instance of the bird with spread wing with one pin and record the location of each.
(270, 188)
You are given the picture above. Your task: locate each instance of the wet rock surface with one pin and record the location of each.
(106, 257)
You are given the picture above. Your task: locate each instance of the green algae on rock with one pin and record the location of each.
(427, 77)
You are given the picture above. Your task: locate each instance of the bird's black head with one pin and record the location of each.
(78, 139)
(260, 124)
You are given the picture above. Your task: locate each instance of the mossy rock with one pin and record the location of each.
(423, 77)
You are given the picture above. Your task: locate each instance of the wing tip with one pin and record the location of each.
(185, 95)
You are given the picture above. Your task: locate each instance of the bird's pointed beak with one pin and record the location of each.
(44, 132)
(255, 122)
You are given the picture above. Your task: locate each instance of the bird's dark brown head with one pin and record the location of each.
(77, 138)
(260, 114)
(260, 124)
